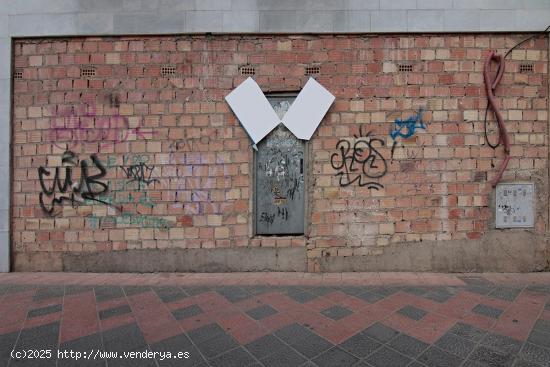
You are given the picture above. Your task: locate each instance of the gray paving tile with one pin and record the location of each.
(233, 294)
(115, 311)
(381, 332)
(217, 345)
(335, 357)
(505, 293)
(47, 292)
(285, 357)
(124, 338)
(336, 312)
(107, 293)
(292, 333)
(408, 345)
(501, 343)
(193, 291)
(435, 357)
(265, 346)
(261, 312)
(475, 280)
(351, 291)
(320, 291)
(42, 331)
(539, 288)
(207, 332)
(386, 291)
(185, 312)
(417, 291)
(43, 342)
(370, 297)
(440, 295)
(360, 345)
(257, 290)
(301, 296)
(76, 289)
(467, 331)
(456, 345)
(489, 357)
(237, 357)
(44, 311)
(133, 290)
(482, 290)
(522, 363)
(312, 346)
(540, 338)
(18, 288)
(542, 325)
(169, 294)
(487, 311)
(534, 354)
(386, 357)
(412, 312)
(7, 341)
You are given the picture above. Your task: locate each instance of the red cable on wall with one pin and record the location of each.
(490, 88)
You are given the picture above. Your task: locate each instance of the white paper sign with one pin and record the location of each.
(258, 117)
(308, 109)
(253, 110)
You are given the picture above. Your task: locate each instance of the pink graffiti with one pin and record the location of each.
(81, 124)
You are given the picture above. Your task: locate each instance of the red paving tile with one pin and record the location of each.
(79, 316)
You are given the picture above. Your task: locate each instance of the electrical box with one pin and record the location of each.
(515, 205)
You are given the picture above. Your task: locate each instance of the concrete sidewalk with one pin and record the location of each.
(276, 319)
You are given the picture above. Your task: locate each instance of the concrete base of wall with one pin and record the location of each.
(510, 251)
(170, 260)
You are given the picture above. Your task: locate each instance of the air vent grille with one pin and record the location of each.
(247, 70)
(405, 67)
(168, 71)
(18, 74)
(312, 70)
(87, 72)
(526, 68)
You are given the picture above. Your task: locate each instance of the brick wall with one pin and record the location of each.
(150, 160)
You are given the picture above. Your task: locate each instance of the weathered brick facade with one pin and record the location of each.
(159, 162)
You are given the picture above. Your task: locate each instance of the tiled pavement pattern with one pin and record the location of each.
(377, 320)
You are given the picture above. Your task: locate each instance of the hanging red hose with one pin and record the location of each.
(490, 88)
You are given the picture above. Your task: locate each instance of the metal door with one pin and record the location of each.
(279, 175)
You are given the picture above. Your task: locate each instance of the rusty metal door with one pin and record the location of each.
(279, 175)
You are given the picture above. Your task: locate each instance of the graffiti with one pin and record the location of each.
(140, 173)
(129, 219)
(87, 188)
(143, 199)
(360, 162)
(406, 128)
(269, 218)
(82, 124)
(278, 198)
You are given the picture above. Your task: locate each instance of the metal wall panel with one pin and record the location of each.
(279, 174)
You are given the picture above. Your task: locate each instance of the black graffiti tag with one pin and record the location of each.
(140, 173)
(88, 187)
(359, 163)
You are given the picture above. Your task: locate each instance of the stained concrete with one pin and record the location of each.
(171, 260)
(498, 251)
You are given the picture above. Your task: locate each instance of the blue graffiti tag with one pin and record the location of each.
(407, 128)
